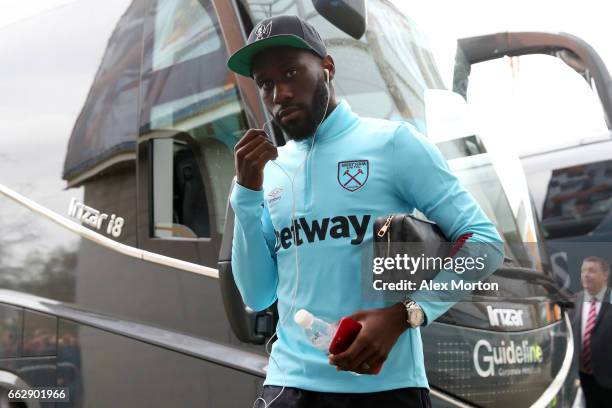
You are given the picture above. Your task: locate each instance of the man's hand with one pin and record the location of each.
(379, 332)
(251, 154)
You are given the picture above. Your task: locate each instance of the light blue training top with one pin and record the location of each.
(359, 169)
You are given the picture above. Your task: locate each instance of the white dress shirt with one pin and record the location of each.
(586, 306)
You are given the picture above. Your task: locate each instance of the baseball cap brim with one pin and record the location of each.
(240, 61)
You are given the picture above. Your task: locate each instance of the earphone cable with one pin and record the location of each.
(294, 231)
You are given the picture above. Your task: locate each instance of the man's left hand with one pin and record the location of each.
(379, 332)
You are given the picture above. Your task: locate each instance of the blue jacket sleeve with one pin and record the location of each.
(427, 184)
(253, 256)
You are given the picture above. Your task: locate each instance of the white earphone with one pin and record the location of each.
(297, 265)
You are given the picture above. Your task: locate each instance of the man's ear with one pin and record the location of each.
(328, 64)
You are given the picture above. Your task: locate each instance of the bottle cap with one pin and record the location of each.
(303, 318)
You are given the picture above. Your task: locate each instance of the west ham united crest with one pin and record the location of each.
(353, 174)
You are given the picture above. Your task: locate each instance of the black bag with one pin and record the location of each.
(400, 234)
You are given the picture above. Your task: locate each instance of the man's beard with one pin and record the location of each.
(313, 117)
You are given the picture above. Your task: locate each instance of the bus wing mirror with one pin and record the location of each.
(347, 15)
(557, 293)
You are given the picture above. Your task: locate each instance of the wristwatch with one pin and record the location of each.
(414, 313)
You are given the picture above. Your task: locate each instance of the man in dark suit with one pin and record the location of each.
(592, 325)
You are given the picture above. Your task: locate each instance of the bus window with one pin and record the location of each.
(11, 331)
(184, 30)
(577, 200)
(188, 95)
(478, 175)
(179, 200)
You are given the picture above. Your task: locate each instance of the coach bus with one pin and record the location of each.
(116, 163)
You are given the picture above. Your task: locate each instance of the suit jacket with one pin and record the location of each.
(601, 339)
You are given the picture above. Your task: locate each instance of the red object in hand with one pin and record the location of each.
(347, 331)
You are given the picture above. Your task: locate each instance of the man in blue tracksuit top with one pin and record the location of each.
(356, 169)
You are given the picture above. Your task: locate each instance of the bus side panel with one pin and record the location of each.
(102, 369)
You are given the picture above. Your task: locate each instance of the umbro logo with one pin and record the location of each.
(274, 195)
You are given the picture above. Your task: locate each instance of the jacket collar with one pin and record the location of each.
(341, 119)
(598, 297)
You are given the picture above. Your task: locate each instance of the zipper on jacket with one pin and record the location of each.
(383, 230)
(308, 181)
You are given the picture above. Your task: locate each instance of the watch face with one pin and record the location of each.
(416, 317)
(420, 317)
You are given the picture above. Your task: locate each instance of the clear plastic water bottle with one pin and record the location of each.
(319, 332)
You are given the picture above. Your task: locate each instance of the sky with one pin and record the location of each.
(64, 44)
(16, 10)
(588, 19)
(539, 100)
